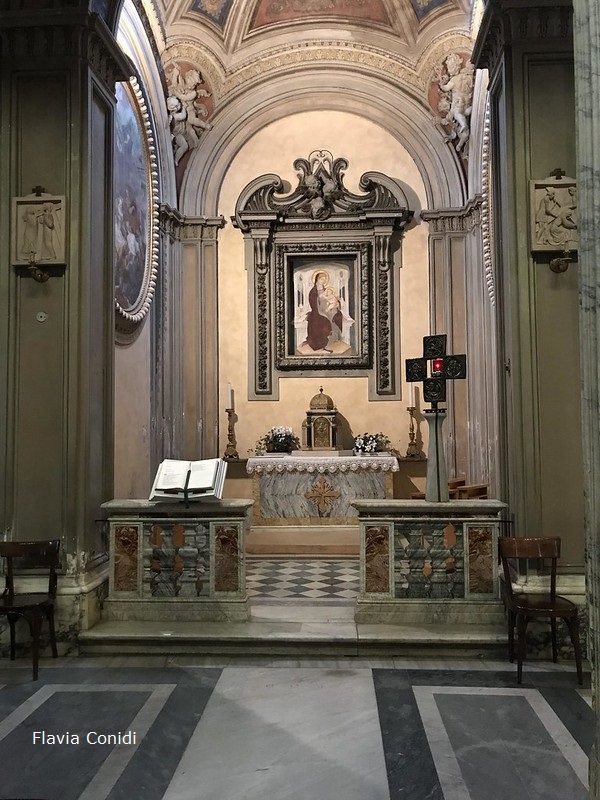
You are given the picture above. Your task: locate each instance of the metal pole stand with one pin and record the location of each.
(436, 488)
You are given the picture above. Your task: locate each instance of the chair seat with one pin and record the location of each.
(23, 602)
(538, 604)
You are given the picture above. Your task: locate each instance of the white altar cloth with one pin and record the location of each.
(382, 462)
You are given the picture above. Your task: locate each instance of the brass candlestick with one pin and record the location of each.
(230, 450)
(412, 451)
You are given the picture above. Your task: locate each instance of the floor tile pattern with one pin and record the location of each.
(311, 579)
(327, 730)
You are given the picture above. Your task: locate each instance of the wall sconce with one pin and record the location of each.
(561, 263)
(36, 273)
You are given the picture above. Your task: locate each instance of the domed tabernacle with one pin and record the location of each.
(322, 402)
(319, 429)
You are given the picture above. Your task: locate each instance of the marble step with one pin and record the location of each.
(324, 630)
(301, 540)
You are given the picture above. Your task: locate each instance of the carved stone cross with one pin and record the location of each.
(322, 494)
(435, 369)
(557, 173)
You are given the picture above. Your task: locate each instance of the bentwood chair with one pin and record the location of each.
(522, 607)
(33, 607)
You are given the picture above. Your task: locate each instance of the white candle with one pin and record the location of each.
(229, 396)
(411, 395)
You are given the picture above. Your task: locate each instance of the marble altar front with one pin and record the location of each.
(427, 562)
(169, 561)
(300, 489)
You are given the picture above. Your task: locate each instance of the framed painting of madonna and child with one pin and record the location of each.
(322, 317)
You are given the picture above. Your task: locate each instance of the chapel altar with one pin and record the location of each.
(316, 490)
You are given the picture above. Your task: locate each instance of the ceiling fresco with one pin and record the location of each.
(214, 10)
(269, 12)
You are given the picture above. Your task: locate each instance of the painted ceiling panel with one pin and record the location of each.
(268, 12)
(214, 10)
(423, 7)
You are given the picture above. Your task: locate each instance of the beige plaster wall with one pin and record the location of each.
(132, 417)
(273, 150)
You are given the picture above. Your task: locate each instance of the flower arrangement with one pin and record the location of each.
(371, 442)
(278, 440)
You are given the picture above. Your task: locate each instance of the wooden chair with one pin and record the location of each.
(34, 607)
(522, 607)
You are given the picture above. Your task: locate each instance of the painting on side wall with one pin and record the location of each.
(135, 207)
(38, 229)
(322, 306)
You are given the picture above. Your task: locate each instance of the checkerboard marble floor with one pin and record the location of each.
(302, 578)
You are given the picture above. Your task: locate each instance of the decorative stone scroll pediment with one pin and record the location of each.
(321, 195)
(323, 264)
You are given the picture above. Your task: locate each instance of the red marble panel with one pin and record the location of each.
(126, 544)
(480, 543)
(377, 559)
(227, 559)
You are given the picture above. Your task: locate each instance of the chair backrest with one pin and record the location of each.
(32, 555)
(542, 549)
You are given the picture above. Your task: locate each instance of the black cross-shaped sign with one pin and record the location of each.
(435, 368)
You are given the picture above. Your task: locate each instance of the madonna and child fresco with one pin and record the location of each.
(323, 325)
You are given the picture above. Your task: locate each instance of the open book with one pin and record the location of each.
(189, 480)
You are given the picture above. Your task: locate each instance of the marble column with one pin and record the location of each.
(587, 85)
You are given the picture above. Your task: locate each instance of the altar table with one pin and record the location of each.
(317, 490)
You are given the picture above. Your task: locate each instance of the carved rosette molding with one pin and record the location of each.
(503, 26)
(354, 54)
(46, 36)
(455, 220)
(316, 222)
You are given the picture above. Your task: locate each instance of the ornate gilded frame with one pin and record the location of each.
(135, 208)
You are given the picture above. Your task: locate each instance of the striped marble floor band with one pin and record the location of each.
(322, 732)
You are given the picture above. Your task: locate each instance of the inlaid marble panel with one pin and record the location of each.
(377, 559)
(227, 577)
(126, 544)
(176, 560)
(480, 559)
(428, 560)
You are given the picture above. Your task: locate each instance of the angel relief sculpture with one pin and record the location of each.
(186, 109)
(455, 79)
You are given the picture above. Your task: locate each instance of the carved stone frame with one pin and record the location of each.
(320, 254)
(321, 217)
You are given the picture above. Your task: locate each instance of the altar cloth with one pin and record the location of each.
(381, 462)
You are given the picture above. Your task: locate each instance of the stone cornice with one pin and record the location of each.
(52, 34)
(454, 220)
(507, 22)
(200, 228)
